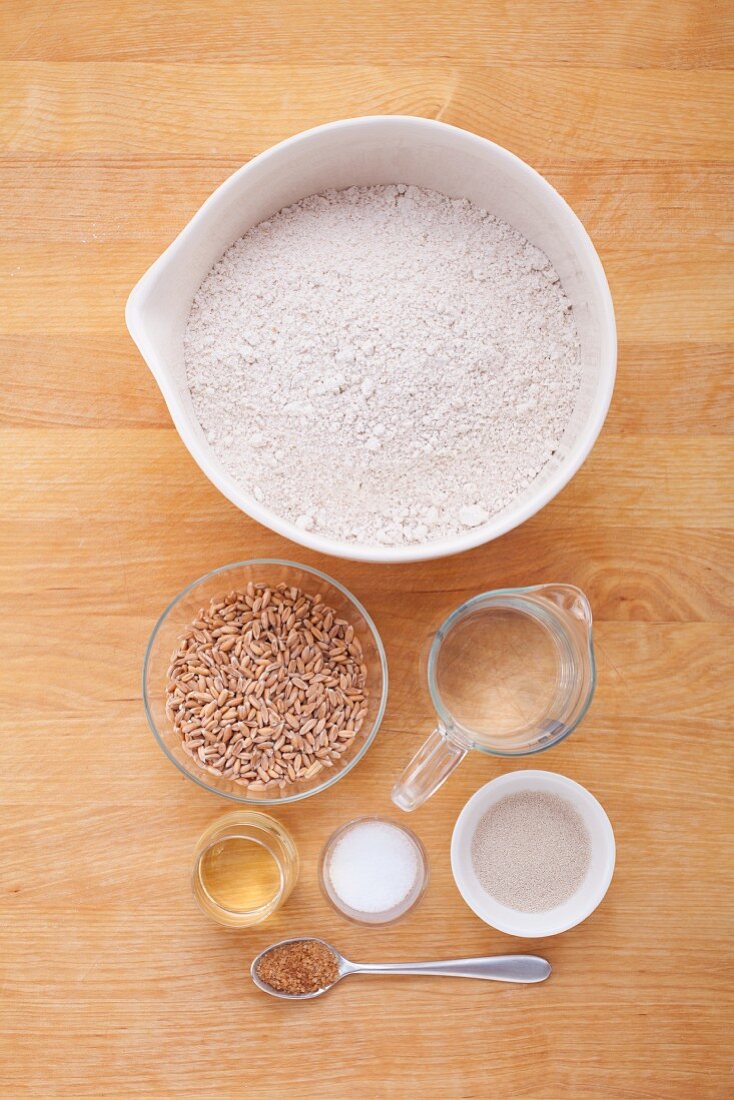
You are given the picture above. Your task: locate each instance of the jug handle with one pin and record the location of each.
(430, 767)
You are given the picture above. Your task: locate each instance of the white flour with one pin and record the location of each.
(383, 364)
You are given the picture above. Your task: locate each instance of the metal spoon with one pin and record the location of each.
(499, 968)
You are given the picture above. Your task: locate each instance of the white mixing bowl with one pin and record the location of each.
(361, 151)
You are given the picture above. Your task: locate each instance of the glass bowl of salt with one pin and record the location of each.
(373, 871)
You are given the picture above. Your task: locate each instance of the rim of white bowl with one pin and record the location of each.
(515, 779)
(450, 544)
(200, 780)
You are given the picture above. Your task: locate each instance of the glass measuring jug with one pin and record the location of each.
(510, 673)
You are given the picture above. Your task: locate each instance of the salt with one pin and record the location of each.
(374, 867)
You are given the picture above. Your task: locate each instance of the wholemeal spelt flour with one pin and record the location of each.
(383, 364)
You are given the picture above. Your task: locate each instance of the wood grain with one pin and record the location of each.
(116, 121)
(655, 33)
(57, 109)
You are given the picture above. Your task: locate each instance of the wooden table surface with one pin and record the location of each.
(116, 121)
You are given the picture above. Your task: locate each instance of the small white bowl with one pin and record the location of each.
(359, 152)
(592, 889)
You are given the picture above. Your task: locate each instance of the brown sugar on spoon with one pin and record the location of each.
(267, 687)
(301, 966)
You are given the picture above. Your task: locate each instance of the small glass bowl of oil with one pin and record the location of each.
(245, 867)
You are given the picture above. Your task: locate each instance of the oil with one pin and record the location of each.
(240, 874)
(245, 867)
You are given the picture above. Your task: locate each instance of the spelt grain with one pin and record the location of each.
(267, 687)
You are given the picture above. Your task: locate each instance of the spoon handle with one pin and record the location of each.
(498, 968)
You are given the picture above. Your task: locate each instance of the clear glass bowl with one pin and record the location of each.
(184, 609)
(231, 882)
(387, 916)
